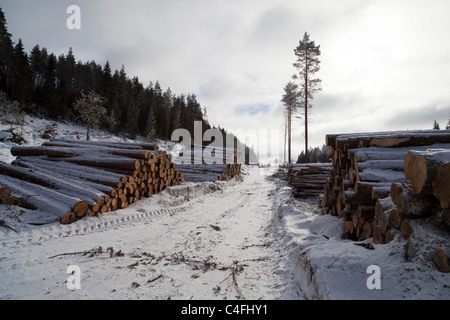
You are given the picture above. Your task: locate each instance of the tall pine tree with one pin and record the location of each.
(307, 66)
(290, 100)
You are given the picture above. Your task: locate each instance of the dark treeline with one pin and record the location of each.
(316, 155)
(46, 83)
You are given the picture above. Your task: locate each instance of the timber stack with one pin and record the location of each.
(308, 179)
(69, 179)
(211, 164)
(379, 181)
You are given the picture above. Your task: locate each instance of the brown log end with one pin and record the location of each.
(80, 209)
(5, 192)
(406, 229)
(68, 218)
(441, 185)
(440, 259)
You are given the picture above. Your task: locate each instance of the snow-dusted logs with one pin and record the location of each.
(96, 144)
(105, 176)
(388, 139)
(208, 172)
(369, 167)
(50, 204)
(308, 180)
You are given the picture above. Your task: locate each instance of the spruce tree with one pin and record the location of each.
(21, 74)
(6, 52)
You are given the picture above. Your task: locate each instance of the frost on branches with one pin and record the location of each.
(91, 110)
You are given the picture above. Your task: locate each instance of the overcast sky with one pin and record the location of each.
(385, 65)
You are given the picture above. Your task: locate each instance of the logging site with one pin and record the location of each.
(140, 226)
(237, 157)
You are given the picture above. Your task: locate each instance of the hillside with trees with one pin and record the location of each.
(50, 84)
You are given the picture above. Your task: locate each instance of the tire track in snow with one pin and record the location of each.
(85, 226)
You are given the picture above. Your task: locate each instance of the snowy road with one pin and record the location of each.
(189, 243)
(242, 239)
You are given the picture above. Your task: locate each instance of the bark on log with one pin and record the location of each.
(103, 177)
(412, 205)
(381, 192)
(40, 151)
(119, 145)
(377, 175)
(52, 202)
(52, 180)
(112, 163)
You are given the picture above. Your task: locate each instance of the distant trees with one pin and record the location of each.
(316, 155)
(52, 84)
(436, 125)
(307, 66)
(290, 100)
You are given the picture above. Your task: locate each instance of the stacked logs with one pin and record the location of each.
(213, 166)
(368, 187)
(308, 180)
(70, 179)
(209, 172)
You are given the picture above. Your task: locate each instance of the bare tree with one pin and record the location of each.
(307, 65)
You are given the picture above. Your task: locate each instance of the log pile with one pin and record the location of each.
(69, 179)
(379, 181)
(214, 166)
(209, 172)
(308, 180)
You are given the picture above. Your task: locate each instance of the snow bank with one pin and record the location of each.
(325, 265)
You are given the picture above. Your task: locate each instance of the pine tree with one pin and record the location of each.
(307, 65)
(447, 127)
(49, 86)
(91, 110)
(436, 125)
(290, 100)
(21, 74)
(6, 52)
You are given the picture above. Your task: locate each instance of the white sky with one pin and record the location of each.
(385, 65)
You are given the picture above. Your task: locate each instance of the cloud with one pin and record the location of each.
(251, 109)
(384, 66)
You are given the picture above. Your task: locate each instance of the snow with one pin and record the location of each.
(242, 239)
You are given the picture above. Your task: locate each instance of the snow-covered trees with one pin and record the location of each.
(307, 66)
(91, 110)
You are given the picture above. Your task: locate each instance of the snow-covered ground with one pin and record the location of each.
(242, 239)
